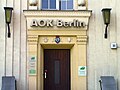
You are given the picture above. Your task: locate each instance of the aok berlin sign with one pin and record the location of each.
(59, 23)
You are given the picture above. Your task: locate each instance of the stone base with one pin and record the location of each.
(33, 7)
(81, 8)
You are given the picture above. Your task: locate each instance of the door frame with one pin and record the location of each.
(75, 60)
(77, 45)
(41, 63)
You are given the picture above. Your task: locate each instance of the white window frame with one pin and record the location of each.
(57, 4)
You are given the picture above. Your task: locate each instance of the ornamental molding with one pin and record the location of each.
(82, 39)
(55, 13)
(32, 39)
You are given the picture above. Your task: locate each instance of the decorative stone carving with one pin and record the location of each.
(81, 39)
(45, 40)
(81, 5)
(33, 2)
(32, 39)
(81, 2)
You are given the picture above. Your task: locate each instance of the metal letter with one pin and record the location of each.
(83, 24)
(59, 23)
(50, 23)
(42, 23)
(34, 23)
(66, 24)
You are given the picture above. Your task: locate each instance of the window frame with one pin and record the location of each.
(57, 6)
(67, 5)
(57, 3)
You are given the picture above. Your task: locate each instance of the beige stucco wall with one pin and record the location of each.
(101, 60)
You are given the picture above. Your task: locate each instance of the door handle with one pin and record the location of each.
(45, 74)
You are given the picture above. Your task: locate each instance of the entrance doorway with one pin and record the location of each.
(56, 69)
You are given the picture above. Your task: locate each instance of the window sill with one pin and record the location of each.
(58, 13)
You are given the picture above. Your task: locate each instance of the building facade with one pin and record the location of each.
(59, 43)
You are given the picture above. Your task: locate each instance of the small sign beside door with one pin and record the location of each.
(82, 71)
(32, 65)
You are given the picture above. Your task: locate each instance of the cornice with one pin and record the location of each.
(55, 13)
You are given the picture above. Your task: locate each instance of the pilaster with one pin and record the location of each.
(82, 54)
(32, 61)
(81, 40)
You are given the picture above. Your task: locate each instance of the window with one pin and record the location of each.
(57, 4)
(66, 4)
(48, 4)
